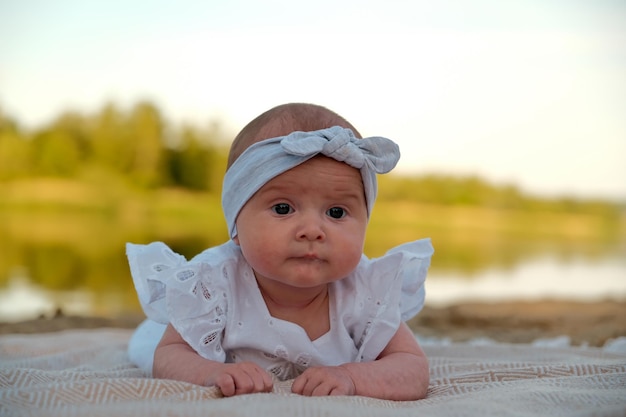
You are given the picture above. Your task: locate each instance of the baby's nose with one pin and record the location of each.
(311, 229)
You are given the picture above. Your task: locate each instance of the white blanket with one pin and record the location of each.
(87, 372)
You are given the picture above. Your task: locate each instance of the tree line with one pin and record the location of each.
(139, 145)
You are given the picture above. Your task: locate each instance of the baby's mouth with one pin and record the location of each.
(310, 257)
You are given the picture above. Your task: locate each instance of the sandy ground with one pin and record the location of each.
(524, 322)
(514, 322)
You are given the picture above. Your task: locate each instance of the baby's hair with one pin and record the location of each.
(284, 119)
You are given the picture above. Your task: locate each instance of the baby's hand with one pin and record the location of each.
(325, 380)
(240, 378)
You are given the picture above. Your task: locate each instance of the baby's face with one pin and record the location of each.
(305, 227)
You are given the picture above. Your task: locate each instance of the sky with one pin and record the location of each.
(523, 92)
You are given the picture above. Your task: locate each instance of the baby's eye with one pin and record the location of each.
(336, 212)
(282, 208)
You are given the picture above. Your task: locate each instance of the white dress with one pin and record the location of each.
(214, 302)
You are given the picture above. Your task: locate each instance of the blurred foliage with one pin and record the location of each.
(138, 145)
(474, 191)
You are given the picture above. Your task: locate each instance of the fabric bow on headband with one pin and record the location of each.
(338, 143)
(271, 157)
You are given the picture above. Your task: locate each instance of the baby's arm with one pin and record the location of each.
(399, 373)
(175, 359)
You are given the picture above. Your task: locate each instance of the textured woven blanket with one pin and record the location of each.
(87, 372)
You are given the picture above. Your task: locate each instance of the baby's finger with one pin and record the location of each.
(266, 381)
(259, 379)
(226, 384)
(321, 390)
(298, 385)
(305, 384)
(251, 378)
(339, 390)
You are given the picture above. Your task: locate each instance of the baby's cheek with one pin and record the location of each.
(264, 266)
(261, 259)
(350, 260)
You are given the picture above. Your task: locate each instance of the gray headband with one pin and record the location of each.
(271, 157)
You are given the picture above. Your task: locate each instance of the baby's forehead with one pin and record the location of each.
(323, 171)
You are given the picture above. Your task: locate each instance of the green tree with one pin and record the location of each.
(15, 150)
(197, 162)
(189, 162)
(146, 140)
(61, 148)
(111, 146)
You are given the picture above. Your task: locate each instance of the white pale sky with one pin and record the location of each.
(529, 92)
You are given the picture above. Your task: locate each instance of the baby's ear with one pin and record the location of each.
(236, 240)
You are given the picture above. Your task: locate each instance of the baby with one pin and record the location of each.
(291, 295)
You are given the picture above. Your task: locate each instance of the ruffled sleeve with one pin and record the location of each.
(390, 290)
(416, 256)
(151, 266)
(192, 296)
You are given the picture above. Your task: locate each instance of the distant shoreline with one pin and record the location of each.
(585, 323)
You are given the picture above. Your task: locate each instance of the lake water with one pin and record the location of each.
(540, 278)
(544, 277)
